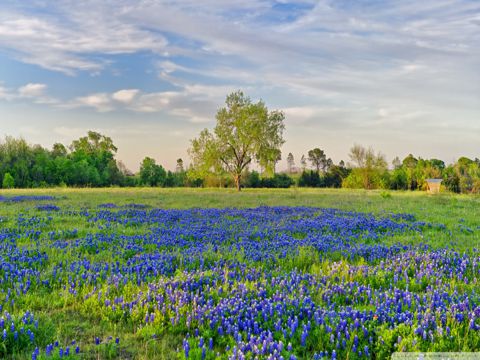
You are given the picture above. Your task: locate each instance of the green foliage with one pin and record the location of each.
(319, 160)
(386, 195)
(90, 163)
(226, 152)
(152, 174)
(277, 181)
(326, 174)
(398, 179)
(334, 176)
(8, 181)
(354, 180)
(310, 179)
(244, 132)
(253, 180)
(370, 168)
(175, 179)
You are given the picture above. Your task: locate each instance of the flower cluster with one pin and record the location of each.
(267, 283)
(47, 207)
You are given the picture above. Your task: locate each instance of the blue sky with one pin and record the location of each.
(400, 76)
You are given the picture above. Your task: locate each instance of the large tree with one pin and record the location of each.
(245, 131)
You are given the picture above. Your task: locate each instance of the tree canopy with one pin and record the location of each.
(245, 132)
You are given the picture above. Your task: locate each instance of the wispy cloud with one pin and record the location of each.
(71, 41)
(366, 66)
(185, 104)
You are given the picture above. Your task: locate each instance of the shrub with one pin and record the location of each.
(8, 181)
(310, 179)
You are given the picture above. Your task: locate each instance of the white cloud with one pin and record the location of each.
(125, 96)
(32, 90)
(370, 67)
(65, 42)
(99, 101)
(152, 102)
(184, 103)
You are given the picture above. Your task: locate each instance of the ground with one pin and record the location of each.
(91, 264)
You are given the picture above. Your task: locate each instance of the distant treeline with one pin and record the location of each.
(90, 162)
(87, 162)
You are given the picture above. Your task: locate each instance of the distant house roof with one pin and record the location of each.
(435, 181)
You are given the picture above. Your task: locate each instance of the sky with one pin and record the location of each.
(399, 76)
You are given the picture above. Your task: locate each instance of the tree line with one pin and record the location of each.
(88, 162)
(246, 133)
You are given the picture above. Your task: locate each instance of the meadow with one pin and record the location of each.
(204, 273)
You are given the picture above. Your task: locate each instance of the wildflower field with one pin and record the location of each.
(205, 274)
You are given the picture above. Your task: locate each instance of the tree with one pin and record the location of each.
(179, 167)
(17, 158)
(152, 174)
(59, 150)
(410, 165)
(244, 132)
(335, 175)
(98, 151)
(369, 167)
(290, 163)
(319, 160)
(8, 181)
(310, 179)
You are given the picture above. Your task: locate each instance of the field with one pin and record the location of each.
(202, 274)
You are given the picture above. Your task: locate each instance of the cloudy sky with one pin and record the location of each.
(400, 76)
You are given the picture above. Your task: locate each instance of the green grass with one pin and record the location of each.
(66, 318)
(458, 213)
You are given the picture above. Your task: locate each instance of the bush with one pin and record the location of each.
(452, 183)
(362, 179)
(399, 180)
(253, 180)
(279, 181)
(353, 181)
(8, 181)
(310, 179)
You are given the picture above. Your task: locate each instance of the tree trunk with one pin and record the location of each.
(237, 181)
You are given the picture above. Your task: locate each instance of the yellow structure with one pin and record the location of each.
(433, 185)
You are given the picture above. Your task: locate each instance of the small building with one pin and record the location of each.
(433, 185)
